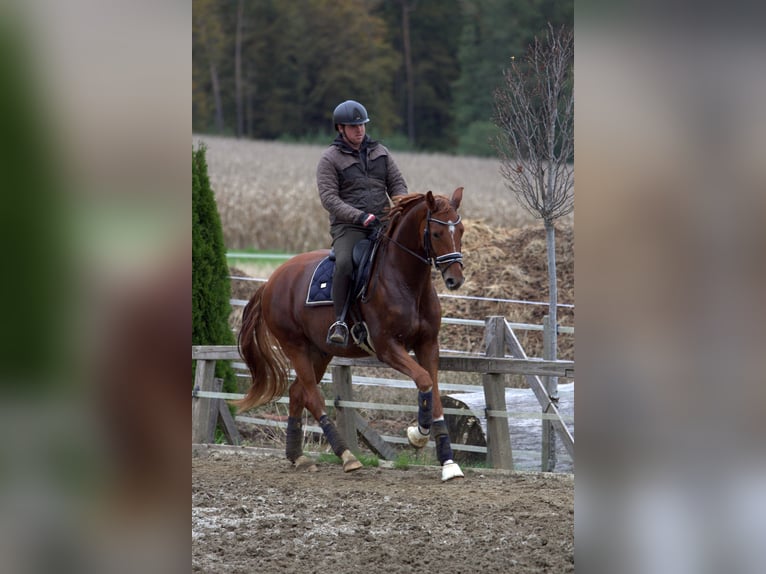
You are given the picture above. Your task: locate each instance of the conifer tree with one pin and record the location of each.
(211, 289)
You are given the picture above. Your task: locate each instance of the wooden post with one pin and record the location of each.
(228, 425)
(548, 455)
(499, 453)
(344, 416)
(204, 411)
(373, 439)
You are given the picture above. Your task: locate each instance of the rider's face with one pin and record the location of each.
(353, 134)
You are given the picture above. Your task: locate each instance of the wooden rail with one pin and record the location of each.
(489, 365)
(493, 367)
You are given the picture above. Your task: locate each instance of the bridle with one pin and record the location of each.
(442, 262)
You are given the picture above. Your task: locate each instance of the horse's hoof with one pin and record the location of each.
(416, 438)
(350, 462)
(451, 470)
(306, 464)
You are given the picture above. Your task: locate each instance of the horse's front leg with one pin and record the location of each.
(428, 357)
(430, 411)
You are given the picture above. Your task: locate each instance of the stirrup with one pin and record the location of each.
(338, 333)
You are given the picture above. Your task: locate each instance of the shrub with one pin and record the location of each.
(211, 289)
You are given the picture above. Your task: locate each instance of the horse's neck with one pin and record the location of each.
(408, 268)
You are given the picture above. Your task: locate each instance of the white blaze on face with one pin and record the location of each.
(451, 227)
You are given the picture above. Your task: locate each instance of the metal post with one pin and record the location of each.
(548, 456)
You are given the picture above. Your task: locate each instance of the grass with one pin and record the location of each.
(403, 461)
(259, 263)
(408, 458)
(259, 255)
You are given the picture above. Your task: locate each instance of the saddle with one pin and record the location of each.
(320, 286)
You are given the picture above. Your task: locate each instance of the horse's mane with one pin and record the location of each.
(403, 204)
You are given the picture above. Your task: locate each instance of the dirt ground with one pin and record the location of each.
(251, 512)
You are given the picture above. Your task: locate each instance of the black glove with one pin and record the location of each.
(369, 220)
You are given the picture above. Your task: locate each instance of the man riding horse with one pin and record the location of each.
(356, 177)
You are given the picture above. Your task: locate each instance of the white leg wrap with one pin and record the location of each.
(451, 470)
(417, 438)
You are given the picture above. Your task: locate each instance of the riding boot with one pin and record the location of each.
(338, 332)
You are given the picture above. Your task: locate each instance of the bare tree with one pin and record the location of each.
(534, 109)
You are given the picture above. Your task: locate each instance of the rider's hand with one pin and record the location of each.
(369, 220)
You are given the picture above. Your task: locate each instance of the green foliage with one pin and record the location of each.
(397, 142)
(211, 289)
(300, 59)
(492, 33)
(434, 35)
(477, 139)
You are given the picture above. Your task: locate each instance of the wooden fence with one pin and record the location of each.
(494, 366)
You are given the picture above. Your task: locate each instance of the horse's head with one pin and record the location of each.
(442, 235)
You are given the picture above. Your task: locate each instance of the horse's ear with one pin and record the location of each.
(430, 201)
(457, 197)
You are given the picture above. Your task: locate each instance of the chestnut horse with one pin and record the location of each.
(401, 311)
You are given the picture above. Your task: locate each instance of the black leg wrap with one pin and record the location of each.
(441, 438)
(425, 409)
(337, 444)
(294, 439)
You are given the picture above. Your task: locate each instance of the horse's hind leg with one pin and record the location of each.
(310, 367)
(294, 438)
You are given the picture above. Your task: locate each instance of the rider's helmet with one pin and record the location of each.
(351, 113)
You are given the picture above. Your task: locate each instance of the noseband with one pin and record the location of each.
(448, 258)
(442, 262)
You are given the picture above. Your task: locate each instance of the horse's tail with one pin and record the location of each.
(263, 356)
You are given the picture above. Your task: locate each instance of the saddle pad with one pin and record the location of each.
(320, 286)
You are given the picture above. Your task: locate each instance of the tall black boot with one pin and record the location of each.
(338, 332)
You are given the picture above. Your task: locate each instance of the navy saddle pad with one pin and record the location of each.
(320, 286)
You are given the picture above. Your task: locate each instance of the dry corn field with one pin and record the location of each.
(267, 195)
(267, 199)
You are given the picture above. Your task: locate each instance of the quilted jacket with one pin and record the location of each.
(353, 183)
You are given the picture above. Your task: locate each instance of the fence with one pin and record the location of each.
(493, 366)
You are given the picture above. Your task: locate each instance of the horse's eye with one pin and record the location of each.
(436, 235)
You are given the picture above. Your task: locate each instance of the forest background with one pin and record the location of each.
(425, 69)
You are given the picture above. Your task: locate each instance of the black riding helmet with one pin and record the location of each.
(351, 113)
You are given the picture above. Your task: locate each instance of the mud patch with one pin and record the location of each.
(253, 512)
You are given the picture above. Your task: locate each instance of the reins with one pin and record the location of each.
(442, 260)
